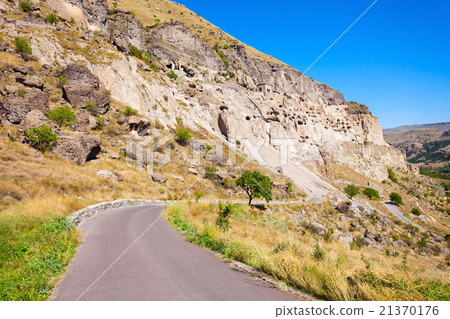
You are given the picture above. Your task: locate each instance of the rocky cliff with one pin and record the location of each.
(252, 103)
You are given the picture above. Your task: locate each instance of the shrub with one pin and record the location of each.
(227, 182)
(391, 175)
(100, 123)
(416, 212)
(52, 18)
(153, 66)
(41, 138)
(328, 235)
(62, 116)
(318, 253)
(91, 107)
(224, 213)
(396, 199)
(22, 93)
(62, 81)
(172, 75)
(25, 6)
(22, 46)
(256, 185)
(182, 136)
(351, 190)
(197, 196)
(289, 188)
(371, 193)
(211, 173)
(129, 111)
(134, 51)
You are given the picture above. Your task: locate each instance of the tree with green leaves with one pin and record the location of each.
(256, 185)
(351, 190)
(372, 193)
(63, 116)
(396, 199)
(41, 138)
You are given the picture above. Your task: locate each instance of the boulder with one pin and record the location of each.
(216, 157)
(317, 228)
(21, 69)
(34, 82)
(180, 178)
(15, 108)
(110, 175)
(223, 124)
(84, 87)
(221, 175)
(78, 149)
(138, 124)
(192, 170)
(345, 238)
(160, 159)
(158, 178)
(36, 118)
(85, 121)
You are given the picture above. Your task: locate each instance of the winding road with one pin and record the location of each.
(132, 254)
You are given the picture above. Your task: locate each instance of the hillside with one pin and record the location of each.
(102, 102)
(426, 145)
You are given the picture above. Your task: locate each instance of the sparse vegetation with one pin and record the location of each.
(182, 136)
(371, 193)
(25, 6)
(391, 175)
(222, 220)
(172, 75)
(22, 46)
(134, 51)
(416, 211)
(129, 111)
(52, 18)
(396, 199)
(41, 138)
(63, 116)
(351, 190)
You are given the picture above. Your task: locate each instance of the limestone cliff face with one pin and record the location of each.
(240, 98)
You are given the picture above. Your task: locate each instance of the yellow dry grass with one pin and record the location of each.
(273, 244)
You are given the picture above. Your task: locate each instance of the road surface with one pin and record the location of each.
(394, 210)
(161, 265)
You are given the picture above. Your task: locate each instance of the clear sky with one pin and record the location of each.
(395, 59)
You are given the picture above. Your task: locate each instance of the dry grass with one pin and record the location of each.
(272, 243)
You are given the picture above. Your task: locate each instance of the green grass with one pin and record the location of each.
(33, 252)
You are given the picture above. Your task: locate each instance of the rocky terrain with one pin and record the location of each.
(132, 83)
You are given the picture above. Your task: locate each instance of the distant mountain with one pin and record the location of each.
(427, 145)
(445, 126)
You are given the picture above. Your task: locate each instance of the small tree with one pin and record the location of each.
(41, 138)
(371, 193)
(256, 185)
(224, 213)
(416, 212)
(25, 6)
(352, 190)
(396, 199)
(22, 46)
(134, 51)
(197, 196)
(129, 111)
(182, 136)
(289, 189)
(62, 116)
(52, 18)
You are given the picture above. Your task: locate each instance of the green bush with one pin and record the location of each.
(289, 188)
(25, 6)
(62, 116)
(134, 51)
(328, 237)
(153, 66)
(224, 213)
(100, 123)
(352, 190)
(52, 18)
(211, 173)
(318, 253)
(41, 138)
(129, 111)
(22, 46)
(197, 196)
(396, 199)
(416, 212)
(256, 185)
(371, 193)
(172, 75)
(182, 136)
(392, 175)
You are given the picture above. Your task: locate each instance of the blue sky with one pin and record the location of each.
(396, 59)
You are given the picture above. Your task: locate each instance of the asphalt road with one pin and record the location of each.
(394, 210)
(161, 265)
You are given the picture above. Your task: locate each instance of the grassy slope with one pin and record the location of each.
(269, 241)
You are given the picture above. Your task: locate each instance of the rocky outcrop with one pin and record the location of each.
(15, 108)
(78, 148)
(174, 42)
(95, 10)
(85, 121)
(84, 87)
(36, 118)
(158, 178)
(126, 30)
(138, 124)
